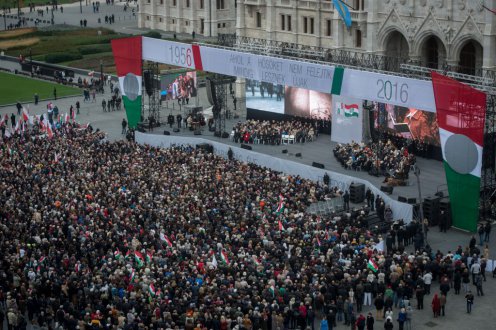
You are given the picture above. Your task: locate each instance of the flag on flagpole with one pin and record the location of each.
(372, 265)
(151, 289)
(128, 254)
(41, 259)
(25, 114)
(214, 261)
(224, 257)
(149, 256)
(131, 276)
(49, 131)
(280, 205)
(281, 228)
(165, 239)
(17, 126)
(77, 268)
(117, 254)
(139, 258)
(318, 241)
(256, 260)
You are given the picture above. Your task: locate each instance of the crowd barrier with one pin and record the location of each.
(400, 210)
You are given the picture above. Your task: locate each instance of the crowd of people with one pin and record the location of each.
(272, 132)
(379, 158)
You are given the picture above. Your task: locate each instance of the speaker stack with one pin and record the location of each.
(148, 78)
(318, 165)
(387, 189)
(357, 193)
(245, 146)
(431, 209)
(445, 206)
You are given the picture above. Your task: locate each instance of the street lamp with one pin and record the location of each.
(4, 19)
(101, 74)
(416, 171)
(81, 6)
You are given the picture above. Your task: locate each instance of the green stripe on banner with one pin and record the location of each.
(337, 81)
(464, 191)
(133, 111)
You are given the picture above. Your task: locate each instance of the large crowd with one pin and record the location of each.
(100, 235)
(378, 158)
(274, 132)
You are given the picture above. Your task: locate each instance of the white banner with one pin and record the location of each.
(400, 210)
(347, 119)
(397, 90)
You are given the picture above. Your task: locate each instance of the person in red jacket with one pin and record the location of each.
(436, 305)
(361, 322)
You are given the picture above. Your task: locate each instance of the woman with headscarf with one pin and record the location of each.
(436, 305)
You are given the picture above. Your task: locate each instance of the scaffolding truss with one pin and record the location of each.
(153, 105)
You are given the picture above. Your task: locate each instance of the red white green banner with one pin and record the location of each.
(461, 113)
(128, 55)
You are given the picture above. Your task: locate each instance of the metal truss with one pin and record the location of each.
(480, 78)
(488, 176)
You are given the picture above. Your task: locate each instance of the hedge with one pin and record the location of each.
(95, 49)
(62, 57)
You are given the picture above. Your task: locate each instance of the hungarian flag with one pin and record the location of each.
(256, 261)
(318, 240)
(151, 289)
(41, 259)
(49, 131)
(165, 239)
(77, 268)
(214, 261)
(280, 205)
(139, 258)
(149, 256)
(461, 113)
(131, 276)
(66, 118)
(224, 257)
(127, 56)
(117, 254)
(349, 110)
(128, 254)
(372, 265)
(281, 228)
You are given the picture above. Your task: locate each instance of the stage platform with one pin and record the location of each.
(432, 177)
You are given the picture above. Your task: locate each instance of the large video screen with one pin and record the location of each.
(307, 103)
(178, 86)
(410, 123)
(264, 96)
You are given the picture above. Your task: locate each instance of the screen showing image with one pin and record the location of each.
(306, 103)
(178, 85)
(410, 123)
(264, 96)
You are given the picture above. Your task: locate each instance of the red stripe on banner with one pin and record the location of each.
(351, 106)
(460, 109)
(197, 57)
(127, 55)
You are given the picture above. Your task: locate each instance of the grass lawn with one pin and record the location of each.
(15, 88)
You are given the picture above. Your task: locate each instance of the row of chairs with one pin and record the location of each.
(288, 139)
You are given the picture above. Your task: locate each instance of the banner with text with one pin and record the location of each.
(326, 78)
(347, 119)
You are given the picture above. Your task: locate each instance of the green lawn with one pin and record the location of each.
(15, 88)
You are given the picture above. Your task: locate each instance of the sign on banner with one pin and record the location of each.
(347, 119)
(321, 77)
(379, 246)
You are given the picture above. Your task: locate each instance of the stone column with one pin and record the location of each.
(193, 15)
(241, 98)
(141, 14)
(153, 17)
(180, 19)
(214, 18)
(271, 20)
(318, 24)
(240, 19)
(489, 38)
(338, 29)
(295, 21)
(370, 41)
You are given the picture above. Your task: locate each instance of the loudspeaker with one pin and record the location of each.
(245, 146)
(225, 135)
(387, 189)
(211, 129)
(217, 134)
(412, 201)
(357, 193)
(318, 165)
(166, 133)
(176, 130)
(402, 199)
(439, 194)
(211, 93)
(197, 132)
(147, 77)
(298, 154)
(284, 151)
(431, 209)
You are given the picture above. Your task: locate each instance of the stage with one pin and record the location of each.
(432, 177)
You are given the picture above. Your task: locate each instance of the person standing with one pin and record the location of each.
(481, 232)
(13, 119)
(55, 93)
(389, 324)
(379, 306)
(402, 318)
(370, 321)
(427, 282)
(179, 118)
(419, 294)
(442, 302)
(19, 108)
(124, 125)
(346, 200)
(470, 300)
(78, 106)
(487, 231)
(436, 305)
(104, 105)
(478, 285)
(36, 98)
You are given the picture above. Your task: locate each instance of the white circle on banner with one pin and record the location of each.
(461, 153)
(131, 86)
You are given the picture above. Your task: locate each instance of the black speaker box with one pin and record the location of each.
(357, 193)
(387, 189)
(245, 146)
(166, 133)
(298, 154)
(318, 165)
(197, 132)
(217, 134)
(147, 77)
(412, 201)
(284, 151)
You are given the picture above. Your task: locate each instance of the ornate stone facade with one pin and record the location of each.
(206, 17)
(430, 32)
